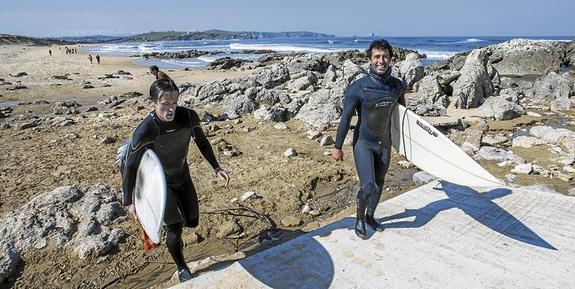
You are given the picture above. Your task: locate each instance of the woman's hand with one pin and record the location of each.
(224, 176)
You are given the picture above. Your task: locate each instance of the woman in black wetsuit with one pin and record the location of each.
(167, 130)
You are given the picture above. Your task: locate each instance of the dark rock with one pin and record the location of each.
(62, 77)
(193, 53)
(108, 140)
(309, 62)
(19, 74)
(208, 117)
(87, 85)
(271, 58)
(123, 72)
(16, 86)
(226, 63)
(131, 94)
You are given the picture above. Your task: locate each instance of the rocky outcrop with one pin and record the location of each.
(521, 57)
(569, 58)
(549, 134)
(273, 76)
(509, 69)
(193, 53)
(474, 84)
(322, 108)
(410, 70)
(432, 93)
(310, 86)
(454, 63)
(79, 219)
(244, 95)
(302, 81)
(554, 89)
(338, 58)
(269, 59)
(226, 63)
(499, 155)
(526, 142)
(500, 108)
(308, 62)
(16, 86)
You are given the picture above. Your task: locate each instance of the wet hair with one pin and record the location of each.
(380, 44)
(154, 68)
(161, 87)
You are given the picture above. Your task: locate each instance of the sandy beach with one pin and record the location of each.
(50, 155)
(41, 67)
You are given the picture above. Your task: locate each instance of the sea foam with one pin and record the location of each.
(281, 48)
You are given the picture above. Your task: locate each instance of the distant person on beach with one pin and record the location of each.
(373, 97)
(90, 58)
(167, 130)
(98, 58)
(50, 52)
(154, 70)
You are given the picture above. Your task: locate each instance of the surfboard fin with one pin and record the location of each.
(148, 244)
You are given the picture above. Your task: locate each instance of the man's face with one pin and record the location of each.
(380, 60)
(165, 107)
(153, 72)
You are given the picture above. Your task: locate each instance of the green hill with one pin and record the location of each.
(218, 35)
(7, 39)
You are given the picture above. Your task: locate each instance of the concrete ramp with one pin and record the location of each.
(437, 236)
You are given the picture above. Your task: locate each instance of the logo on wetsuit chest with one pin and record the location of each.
(426, 128)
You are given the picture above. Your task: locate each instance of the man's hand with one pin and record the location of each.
(337, 154)
(224, 176)
(132, 210)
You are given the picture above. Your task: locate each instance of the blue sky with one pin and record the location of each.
(339, 17)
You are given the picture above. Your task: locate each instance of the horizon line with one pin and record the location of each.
(330, 34)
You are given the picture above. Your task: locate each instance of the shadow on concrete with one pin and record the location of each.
(300, 263)
(478, 206)
(303, 263)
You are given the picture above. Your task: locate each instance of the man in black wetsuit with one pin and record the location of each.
(155, 71)
(373, 97)
(167, 131)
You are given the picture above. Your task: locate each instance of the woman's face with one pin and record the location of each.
(165, 107)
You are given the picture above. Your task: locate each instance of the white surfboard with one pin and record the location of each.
(427, 148)
(150, 195)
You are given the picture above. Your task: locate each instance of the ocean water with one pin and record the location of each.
(435, 48)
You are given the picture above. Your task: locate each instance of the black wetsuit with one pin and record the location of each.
(170, 142)
(373, 97)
